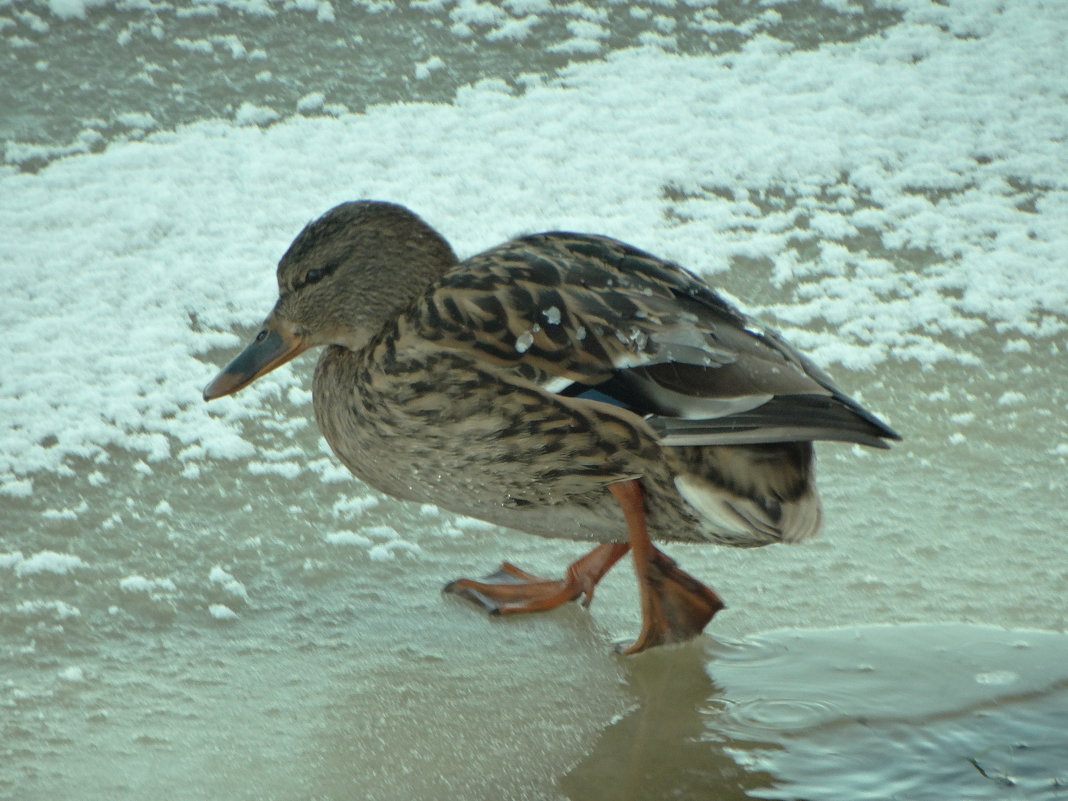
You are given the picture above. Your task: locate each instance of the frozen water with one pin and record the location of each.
(197, 601)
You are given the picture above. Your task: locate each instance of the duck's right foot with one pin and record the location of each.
(511, 590)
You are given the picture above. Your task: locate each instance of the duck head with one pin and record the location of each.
(345, 275)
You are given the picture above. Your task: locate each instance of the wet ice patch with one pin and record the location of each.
(866, 712)
(998, 677)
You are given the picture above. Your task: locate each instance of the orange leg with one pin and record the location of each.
(675, 606)
(511, 590)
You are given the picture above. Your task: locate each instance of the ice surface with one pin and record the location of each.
(198, 601)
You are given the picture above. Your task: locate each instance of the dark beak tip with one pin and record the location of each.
(225, 383)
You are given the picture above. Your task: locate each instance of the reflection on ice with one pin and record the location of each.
(919, 712)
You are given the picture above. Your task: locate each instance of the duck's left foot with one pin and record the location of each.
(511, 590)
(676, 607)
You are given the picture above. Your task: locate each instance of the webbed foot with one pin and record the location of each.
(676, 607)
(511, 590)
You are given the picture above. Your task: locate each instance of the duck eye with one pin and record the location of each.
(315, 274)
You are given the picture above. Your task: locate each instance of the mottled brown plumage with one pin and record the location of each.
(521, 385)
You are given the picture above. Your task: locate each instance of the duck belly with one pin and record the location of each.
(515, 456)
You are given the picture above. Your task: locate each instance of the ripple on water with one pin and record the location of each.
(888, 713)
(917, 712)
(759, 716)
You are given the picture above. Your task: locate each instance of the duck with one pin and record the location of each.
(562, 384)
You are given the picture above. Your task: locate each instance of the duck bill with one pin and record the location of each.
(271, 348)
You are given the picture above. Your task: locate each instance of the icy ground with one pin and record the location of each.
(196, 601)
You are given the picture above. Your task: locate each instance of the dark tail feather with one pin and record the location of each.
(787, 418)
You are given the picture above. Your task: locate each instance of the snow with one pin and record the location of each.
(424, 69)
(72, 674)
(918, 135)
(382, 543)
(64, 514)
(288, 470)
(55, 610)
(222, 612)
(10, 560)
(516, 30)
(354, 505)
(137, 119)
(1012, 398)
(386, 551)
(348, 538)
(68, 9)
(311, 102)
(249, 114)
(140, 584)
(228, 583)
(47, 562)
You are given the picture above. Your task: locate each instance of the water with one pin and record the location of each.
(196, 602)
(917, 712)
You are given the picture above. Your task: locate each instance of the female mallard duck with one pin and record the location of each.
(562, 384)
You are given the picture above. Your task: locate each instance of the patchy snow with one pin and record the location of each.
(48, 562)
(140, 584)
(922, 139)
(228, 583)
(222, 612)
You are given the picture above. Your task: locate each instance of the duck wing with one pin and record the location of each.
(594, 318)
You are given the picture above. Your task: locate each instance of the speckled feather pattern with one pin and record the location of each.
(465, 397)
